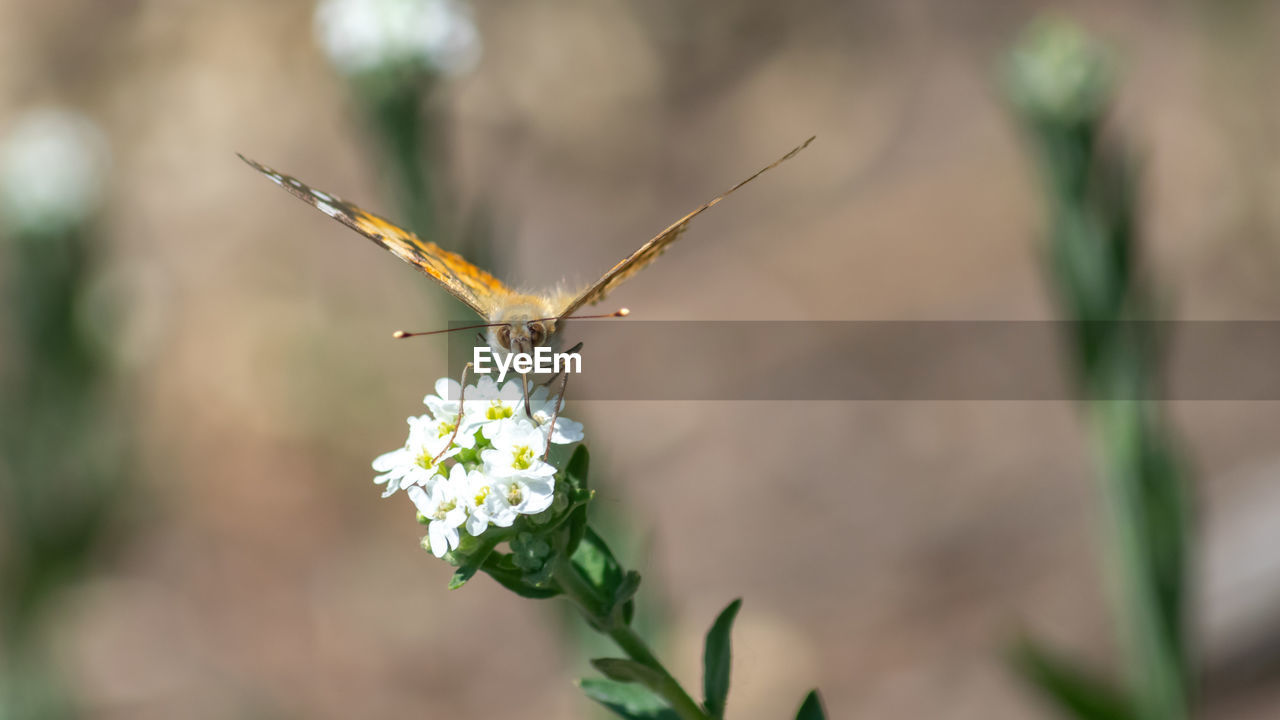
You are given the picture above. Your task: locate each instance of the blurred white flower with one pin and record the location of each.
(1059, 72)
(53, 165)
(364, 35)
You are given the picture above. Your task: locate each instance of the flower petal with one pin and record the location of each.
(421, 500)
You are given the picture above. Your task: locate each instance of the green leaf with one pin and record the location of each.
(811, 708)
(576, 472)
(626, 595)
(1076, 691)
(629, 671)
(627, 701)
(596, 564)
(472, 563)
(716, 660)
(627, 588)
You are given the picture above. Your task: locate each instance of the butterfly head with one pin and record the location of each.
(522, 324)
(521, 335)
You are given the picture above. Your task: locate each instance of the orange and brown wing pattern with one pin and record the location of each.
(478, 289)
(652, 249)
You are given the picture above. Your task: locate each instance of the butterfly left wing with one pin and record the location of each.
(652, 249)
(481, 291)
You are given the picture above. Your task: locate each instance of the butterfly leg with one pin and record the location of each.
(547, 382)
(524, 385)
(553, 378)
(462, 398)
(555, 416)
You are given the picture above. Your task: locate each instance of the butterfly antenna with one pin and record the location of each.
(399, 334)
(620, 312)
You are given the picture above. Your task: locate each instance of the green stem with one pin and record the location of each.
(584, 596)
(407, 144)
(1136, 523)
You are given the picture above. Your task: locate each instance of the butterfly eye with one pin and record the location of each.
(537, 333)
(504, 336)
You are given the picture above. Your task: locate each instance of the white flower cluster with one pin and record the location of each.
(53, 164)
(478, 462)
(364, 35)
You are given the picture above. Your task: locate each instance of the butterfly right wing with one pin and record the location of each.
(481, 291)
(650, 251)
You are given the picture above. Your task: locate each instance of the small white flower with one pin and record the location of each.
(517, 449)
(526, 495)
(487, 405)
(543, 405)
(413, 464)
(52, 168)
(486, 504)
(444, 403)
(443, 503)
(447, 415)
(364, 35)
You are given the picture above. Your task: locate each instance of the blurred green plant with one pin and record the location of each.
(1060, 82)
(396, 56)
(64, 440)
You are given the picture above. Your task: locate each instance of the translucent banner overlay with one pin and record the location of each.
(628, 359)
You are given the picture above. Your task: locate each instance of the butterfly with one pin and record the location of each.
(518, 321)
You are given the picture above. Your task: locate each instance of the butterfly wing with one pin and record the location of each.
(481, 291)
(652, 249)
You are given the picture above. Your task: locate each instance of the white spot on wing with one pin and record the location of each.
(322, 196)
(328, 209)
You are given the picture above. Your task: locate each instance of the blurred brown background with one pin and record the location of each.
(887, 552)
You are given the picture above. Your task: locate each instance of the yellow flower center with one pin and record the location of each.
(481, 495)
(514, 495)
(426, 460)
(522, 458)
(444, 509)
(447, 429)
(498, 411)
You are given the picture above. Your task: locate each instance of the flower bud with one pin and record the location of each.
(1057, 73)
(52, 168)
